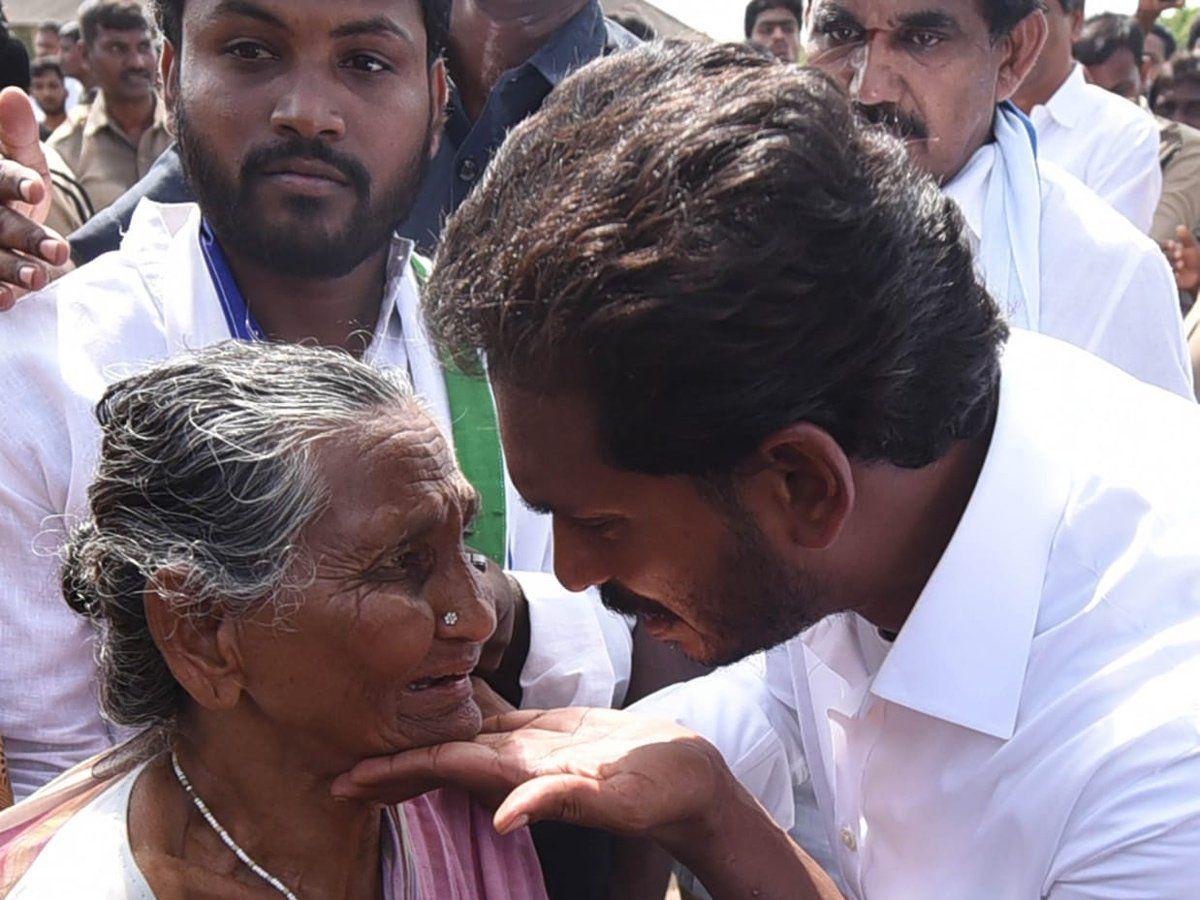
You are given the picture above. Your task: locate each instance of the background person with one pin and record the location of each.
(46, 41)
(113, 141)
(774, 25)
(48, 88)
(1110, 146)
(74, 64)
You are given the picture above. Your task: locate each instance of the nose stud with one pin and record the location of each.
(451, 619)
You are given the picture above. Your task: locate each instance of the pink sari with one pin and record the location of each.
(454, 852)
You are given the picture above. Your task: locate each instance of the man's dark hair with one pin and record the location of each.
(1168, 39)
(638, 27)
(47, 27)
(70, 32)
(756, 8)
(1002, 16)
(169, 14)
(46, 64)
(1104, 34)
(1178, 69)
(709, 247)
(117, 15)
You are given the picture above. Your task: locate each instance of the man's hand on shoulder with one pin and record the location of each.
(31, 255)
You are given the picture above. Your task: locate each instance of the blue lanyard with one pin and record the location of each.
(237, 315)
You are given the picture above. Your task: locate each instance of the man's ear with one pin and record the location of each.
(802, 487)
(201, 651)
(1077, 20)
(168, 67)
(1022, 47)
(439, 101)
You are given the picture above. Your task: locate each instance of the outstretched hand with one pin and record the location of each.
(31, 255)
(624, 773)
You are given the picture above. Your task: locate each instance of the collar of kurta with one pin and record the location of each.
(98, 118)
(1068, 102)
(964, 650)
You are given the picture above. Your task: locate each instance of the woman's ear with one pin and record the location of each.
(201, 651)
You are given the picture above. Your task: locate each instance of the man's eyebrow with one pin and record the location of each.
(831, 13)
(248, 10)
(543, 509)
(929, 18)
(376, 25)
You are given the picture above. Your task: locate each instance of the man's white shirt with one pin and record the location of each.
(1108, 143)
(125, 311)
(1034, 730)
(1105, 286)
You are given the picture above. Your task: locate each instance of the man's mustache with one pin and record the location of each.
(900, 123)
(297, 148)
(622, 600)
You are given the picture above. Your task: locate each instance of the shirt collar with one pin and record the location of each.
(1070, 100)
(962, 654)
(99, 119)
(579, 41)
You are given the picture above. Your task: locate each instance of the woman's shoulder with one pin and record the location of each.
(89, 855)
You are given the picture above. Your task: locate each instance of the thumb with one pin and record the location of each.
(564, 798)
(19, 130)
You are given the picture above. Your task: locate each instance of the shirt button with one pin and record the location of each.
(468, 170)
(849, 841)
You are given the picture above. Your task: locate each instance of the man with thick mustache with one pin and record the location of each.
(1058, 259)
(113, 141)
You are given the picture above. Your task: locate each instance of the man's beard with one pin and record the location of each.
(294, 247)
(753, 602)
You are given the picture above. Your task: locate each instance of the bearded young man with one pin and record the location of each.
(940, 74)
(974, 556)
(278, 105)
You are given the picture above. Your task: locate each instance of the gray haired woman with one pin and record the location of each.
(275, 568)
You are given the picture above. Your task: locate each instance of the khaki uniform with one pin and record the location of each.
(105, 161)
(1179, 156)
(70, 205)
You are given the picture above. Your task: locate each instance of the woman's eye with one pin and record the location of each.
(363, 62)
(410, 564)
(841, 34)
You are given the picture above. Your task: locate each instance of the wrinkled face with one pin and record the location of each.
(695, 568)
(1181, 103)
(928, 69)
(50, 93)
(46, 43)
(1119, 73)
(366, 665)
(305, 125)
(778, 31)
(123, 63)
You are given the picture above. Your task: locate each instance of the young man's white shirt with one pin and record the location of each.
(58, 351)
(1104, 285)
(1108, 143)
(1034, 730)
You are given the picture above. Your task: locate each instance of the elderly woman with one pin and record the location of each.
(275, 567)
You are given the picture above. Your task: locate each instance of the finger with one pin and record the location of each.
(20, 183)
(21, 274)
(511, 721)
(564, 798)
(19, 131)
(19, 232)
(405, 775)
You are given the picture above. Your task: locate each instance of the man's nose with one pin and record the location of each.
(578, 562)
(873, 76)
(308, 109)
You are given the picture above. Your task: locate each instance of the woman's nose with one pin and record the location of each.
(467, 609)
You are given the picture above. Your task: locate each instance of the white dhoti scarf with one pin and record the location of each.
(1009, 255)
